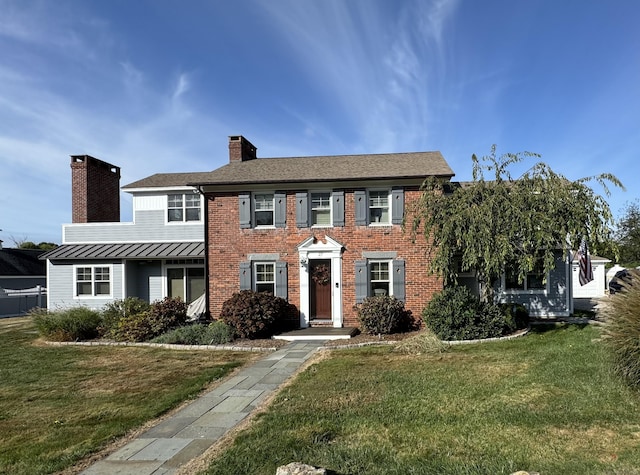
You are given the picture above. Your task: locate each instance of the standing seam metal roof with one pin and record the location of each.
(127, 250)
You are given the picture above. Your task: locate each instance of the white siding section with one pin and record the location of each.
(595, 288)
(149, 203)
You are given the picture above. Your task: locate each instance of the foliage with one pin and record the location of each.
(74, 324)
(621, 312)
(516, 316)
(489, 224)
(254, 314)
(628, 235)
(118, 309)
(138, 323)
(44, 246)
(457, 314)
(216, 333)
(383, 315)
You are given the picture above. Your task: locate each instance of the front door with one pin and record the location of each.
(320, 289)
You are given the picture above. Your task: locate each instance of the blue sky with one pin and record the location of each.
(159, 85)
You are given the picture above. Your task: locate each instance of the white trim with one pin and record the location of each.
(93, 295)
(312, 248)
(184, 207)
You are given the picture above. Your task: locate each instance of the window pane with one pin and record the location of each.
(265, 287)
(263, 202)
(102, 273)
(84, 288)
(321, 200)
(175, 281)
(103, 288)
(192, 200)
(195, 283)
(83, 273)
(265, 273)
(193, 214)
(175, 201)
(321, 217)
(264, 218)
(378, 207)
(175, 214)
(378, 198)
(380, 271)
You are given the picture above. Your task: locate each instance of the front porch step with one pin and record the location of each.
(318, 333)
(320, 323)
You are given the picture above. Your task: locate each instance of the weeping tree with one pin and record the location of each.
(496, 220)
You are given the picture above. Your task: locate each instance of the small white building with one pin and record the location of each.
(597, 287)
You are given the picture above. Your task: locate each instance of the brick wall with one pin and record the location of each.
(228, 245)
(95, 190)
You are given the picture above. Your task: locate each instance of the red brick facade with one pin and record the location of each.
(228, 245)
(95, 190)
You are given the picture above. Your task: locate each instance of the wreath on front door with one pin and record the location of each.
(321, 274)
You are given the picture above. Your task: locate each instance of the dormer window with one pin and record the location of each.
(183, 207)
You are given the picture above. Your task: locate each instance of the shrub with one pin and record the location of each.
(79, 323)
(383, 315)
(133, 319)
(457, 314)
(216, 333)
(516, 316)
(254, 314)
(114, 311)
(621, 312)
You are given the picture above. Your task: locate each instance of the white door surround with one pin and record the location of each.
(315, 248)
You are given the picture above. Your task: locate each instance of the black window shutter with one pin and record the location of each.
(245, 275)
(337, 198)
(282, 284)
(397, 205)
(244, 202)
(302, 209)
(399, 279)
(361, 204)
(362, 281)
(280, 204)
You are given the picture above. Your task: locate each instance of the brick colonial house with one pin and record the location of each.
(323, 232)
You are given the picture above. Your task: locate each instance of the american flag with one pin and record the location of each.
(584, 261)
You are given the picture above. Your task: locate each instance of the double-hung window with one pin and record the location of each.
(183, 207)
(264, 277)
(533, 281)
(263, 206)
(321, 209)
(93, 281)
(379, 278)
(379, 207)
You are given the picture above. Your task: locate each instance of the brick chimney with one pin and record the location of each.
(240, 149)
(95, 190)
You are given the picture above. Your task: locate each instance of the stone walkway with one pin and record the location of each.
(165, 448)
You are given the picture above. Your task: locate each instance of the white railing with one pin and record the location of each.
(20, 301)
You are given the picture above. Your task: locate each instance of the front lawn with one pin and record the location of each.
(60, 404)
(546, 402)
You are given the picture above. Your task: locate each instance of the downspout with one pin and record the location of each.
(206, 249)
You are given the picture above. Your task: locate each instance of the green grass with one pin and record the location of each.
(546, 402)
(60, 404)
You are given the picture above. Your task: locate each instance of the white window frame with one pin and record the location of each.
(255, 210)
(254, 275)
(371, 221)
(184, 207)
(525, 287)
(371, 281)
(93, 281)
(312, 208)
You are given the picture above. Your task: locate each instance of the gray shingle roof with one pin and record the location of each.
(127, 250)
(21, 262)
(308, 169)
